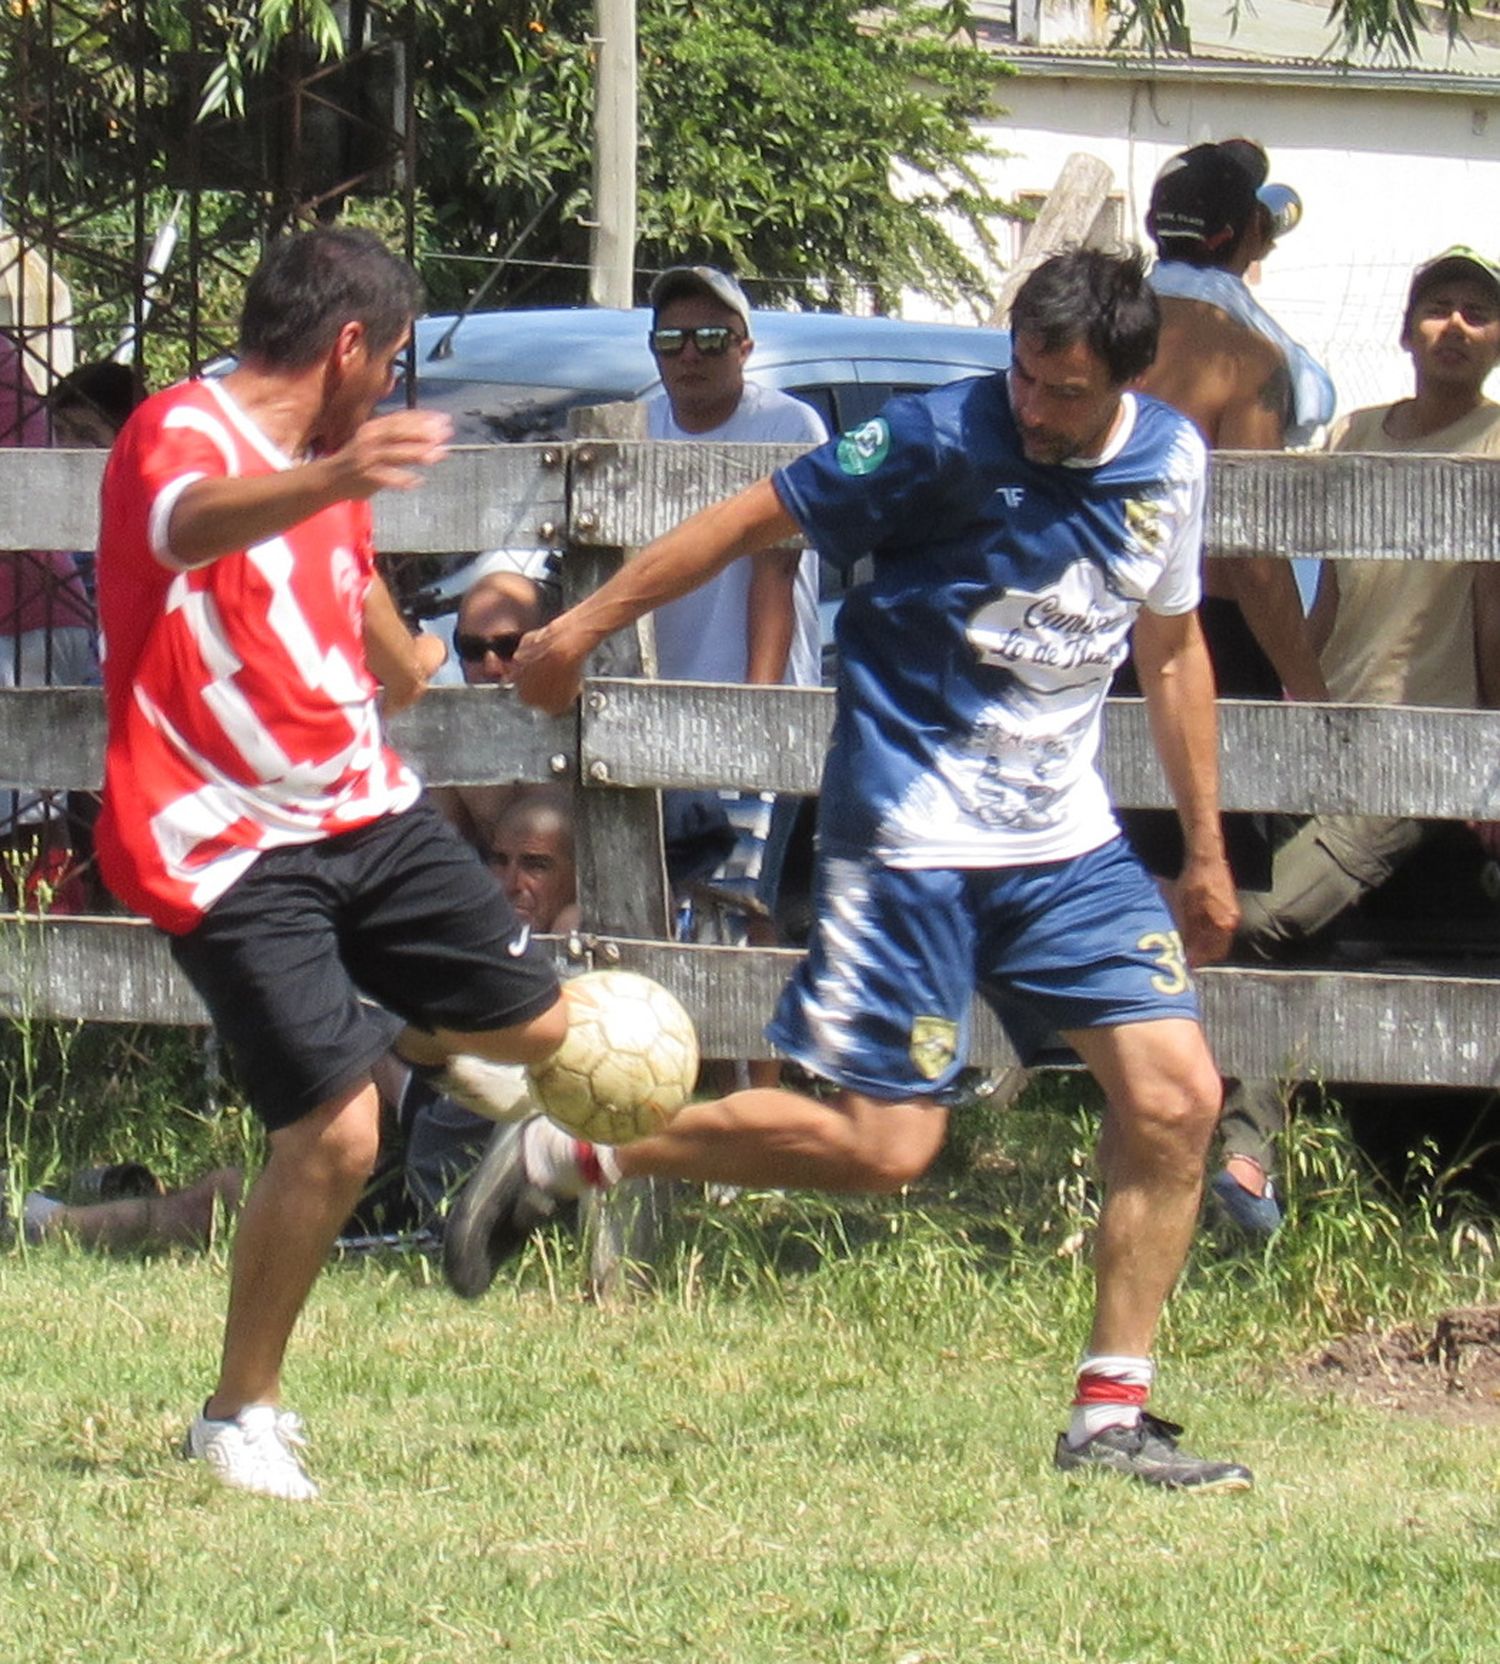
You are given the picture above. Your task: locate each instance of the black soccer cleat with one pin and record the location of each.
(1149, 1452)
(495, 1213)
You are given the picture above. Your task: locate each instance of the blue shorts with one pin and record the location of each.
(881, 1003)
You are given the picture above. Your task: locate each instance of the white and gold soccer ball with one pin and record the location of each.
(629, 1063)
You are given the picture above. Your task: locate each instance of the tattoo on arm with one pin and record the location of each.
(1275, 393)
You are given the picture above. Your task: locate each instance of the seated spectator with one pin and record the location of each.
(494, 614)
(47, 639)
(531, 854)
(1389, 633)
(183, 1218)
(91, 404)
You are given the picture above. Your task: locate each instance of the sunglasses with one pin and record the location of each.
(471, 649)
(710, 340)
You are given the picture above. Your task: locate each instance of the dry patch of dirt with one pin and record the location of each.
(1448, 1369)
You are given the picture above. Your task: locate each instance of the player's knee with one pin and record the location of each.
(897, 1154)
(1184, 1111)
(338, 1144)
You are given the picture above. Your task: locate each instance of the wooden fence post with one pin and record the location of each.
(1064, 221)
(621, 867)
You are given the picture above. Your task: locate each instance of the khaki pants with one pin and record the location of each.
(1326, 866)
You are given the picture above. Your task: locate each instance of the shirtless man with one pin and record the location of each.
(1228, 366)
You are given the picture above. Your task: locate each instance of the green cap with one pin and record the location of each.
(1457, 261)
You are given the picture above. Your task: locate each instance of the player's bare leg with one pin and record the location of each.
(530, 1042)
(1164, 1094)
(785, 1141)
(479, 1070)
(317, 1167)
(780, 1140)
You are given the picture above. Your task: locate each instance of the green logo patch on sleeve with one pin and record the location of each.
(863, 449)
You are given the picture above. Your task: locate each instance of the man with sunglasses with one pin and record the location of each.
(757, 621)
(496, 611)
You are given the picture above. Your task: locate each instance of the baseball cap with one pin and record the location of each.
(700, 280)
(1457, 261)
(1205, 197)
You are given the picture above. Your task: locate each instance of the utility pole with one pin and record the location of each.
(612, 245)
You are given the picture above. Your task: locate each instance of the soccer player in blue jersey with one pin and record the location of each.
(1022, 527)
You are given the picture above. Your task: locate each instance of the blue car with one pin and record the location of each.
(511, 377)
(507, 376)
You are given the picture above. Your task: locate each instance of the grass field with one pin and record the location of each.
(826, 1436)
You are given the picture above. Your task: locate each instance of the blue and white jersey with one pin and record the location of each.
(974, 664)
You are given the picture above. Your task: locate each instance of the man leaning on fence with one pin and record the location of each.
(1020, 526)
(1412, 632)
(251, 806)
(1225, 363)
(756, 621)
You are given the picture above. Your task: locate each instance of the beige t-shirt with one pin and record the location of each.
(1404, 631)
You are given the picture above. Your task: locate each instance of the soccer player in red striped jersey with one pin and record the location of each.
(252, 807)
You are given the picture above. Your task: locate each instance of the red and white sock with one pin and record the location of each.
(1111, 1392)
(563, 1165)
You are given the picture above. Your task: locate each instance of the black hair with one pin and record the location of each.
(1098, 298)
(109, 389)
(309, 285)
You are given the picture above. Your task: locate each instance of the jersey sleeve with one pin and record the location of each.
(872, 486)
(173, 445)
(1179, 589)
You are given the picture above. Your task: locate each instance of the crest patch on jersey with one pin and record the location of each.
(934, 1045)
(863, 449)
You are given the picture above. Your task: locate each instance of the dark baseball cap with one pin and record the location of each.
(700, 280)
(1205, 197)
(1457, 261)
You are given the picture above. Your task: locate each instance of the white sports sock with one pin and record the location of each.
(1096, 1406)
(560, 1164)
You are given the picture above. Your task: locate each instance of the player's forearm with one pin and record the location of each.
(1266, 591)
(215, 517)
(1178, 685)
(401, 662)
(684, 559)
(770, 616)
(1177, 679)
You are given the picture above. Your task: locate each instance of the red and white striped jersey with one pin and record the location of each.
(242, 714)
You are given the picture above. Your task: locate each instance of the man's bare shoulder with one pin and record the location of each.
(1216, 369)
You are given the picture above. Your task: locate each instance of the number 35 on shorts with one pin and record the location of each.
(1165, 947)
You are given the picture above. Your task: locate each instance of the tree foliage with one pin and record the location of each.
(769, 132)
(820, 146)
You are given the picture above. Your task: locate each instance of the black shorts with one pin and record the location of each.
(401, 911)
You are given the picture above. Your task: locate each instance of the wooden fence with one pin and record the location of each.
(630, 737)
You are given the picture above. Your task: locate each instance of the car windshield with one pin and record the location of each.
(487, 413)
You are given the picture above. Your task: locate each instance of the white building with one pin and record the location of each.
(1393, 162)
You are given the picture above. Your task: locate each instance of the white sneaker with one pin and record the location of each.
(497, 1091)
(254, 1451)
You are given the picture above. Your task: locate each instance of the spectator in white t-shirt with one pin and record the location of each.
(758, 620)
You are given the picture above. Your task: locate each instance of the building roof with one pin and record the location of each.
(1288, 42)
